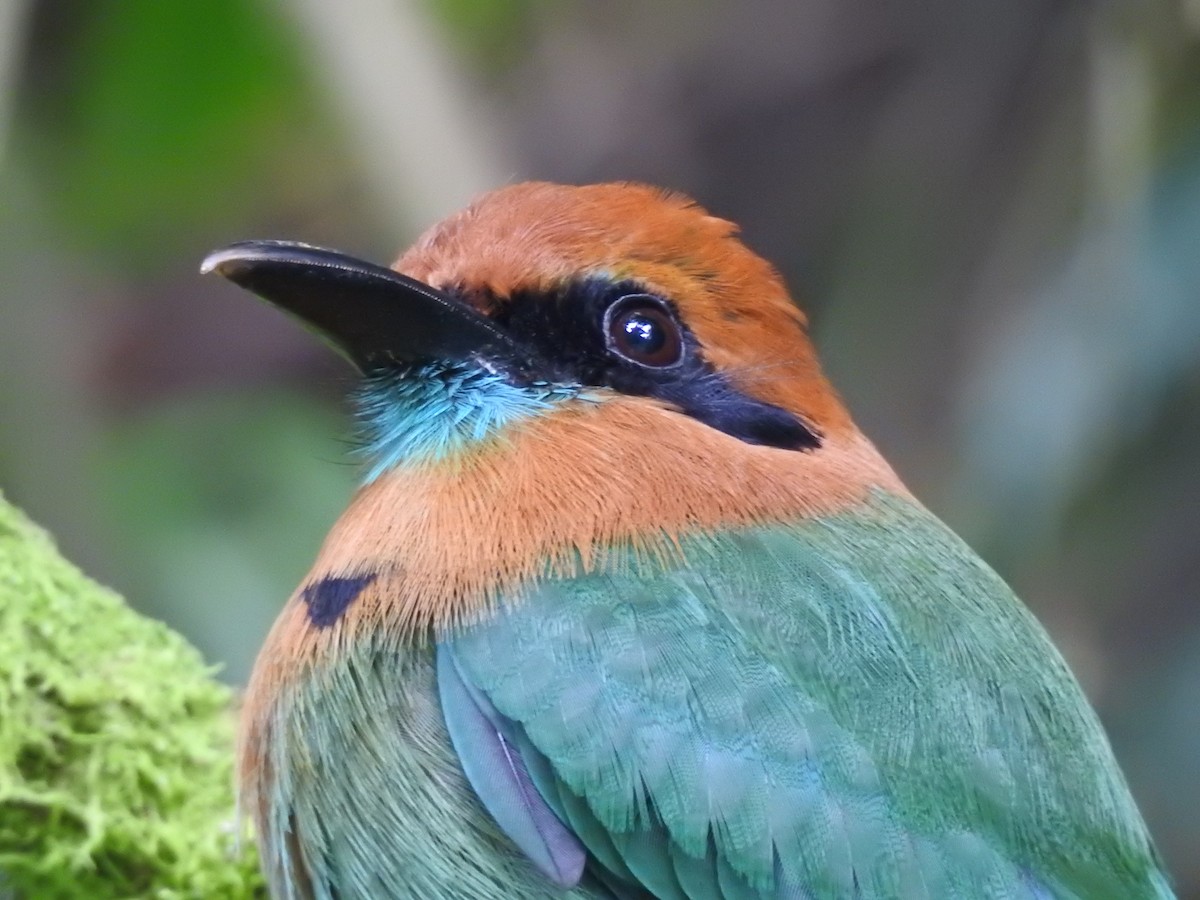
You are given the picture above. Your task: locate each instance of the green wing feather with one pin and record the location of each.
(364, 797)
(851, 707)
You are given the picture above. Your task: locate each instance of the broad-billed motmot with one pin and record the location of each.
(627, 607)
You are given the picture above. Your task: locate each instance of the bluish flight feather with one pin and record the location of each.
(496, 770)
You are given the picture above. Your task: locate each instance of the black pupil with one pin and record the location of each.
(644, 335)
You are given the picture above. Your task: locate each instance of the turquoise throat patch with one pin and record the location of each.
(430, 412)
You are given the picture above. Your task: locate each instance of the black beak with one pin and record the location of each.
(375, 316)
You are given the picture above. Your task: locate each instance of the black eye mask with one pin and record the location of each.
(572, 332)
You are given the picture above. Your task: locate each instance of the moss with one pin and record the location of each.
(116, 762)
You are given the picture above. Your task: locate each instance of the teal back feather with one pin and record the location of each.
(854, 707)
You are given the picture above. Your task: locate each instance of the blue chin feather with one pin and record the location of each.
(429, 412)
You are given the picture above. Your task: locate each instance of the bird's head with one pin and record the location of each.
(540, 294)
(581, 365)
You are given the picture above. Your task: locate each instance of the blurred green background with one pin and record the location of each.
(991, 211)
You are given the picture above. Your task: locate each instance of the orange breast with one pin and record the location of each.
(445, 540)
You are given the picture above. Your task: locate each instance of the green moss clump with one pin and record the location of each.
(116, 762)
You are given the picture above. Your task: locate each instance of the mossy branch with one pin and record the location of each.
(116, 743)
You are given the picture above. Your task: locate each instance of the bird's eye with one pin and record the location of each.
(642, 330)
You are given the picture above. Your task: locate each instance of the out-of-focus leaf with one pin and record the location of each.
(164, 116)
(489, 31)
(1066, 381)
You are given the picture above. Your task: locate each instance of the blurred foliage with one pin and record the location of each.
(151, 120)
(201, 497)
(490, 33)
(992, 212)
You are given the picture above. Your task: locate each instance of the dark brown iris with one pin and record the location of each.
(643, 331)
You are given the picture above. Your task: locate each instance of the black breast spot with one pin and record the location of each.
(329, 598)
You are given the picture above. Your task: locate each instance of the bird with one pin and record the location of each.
(626, 605)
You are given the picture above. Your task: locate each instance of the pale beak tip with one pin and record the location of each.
(218, 261)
